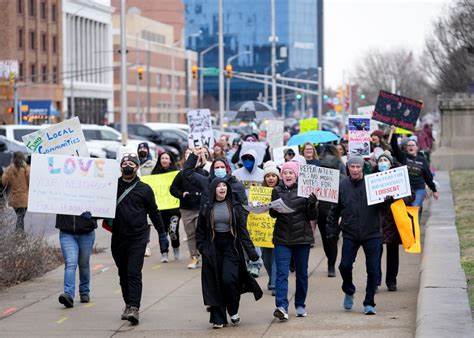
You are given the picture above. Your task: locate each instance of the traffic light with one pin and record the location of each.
(362, 96)
(299, 96)
(195, 70)
(140, 73)
(10, 110)
(228, 71)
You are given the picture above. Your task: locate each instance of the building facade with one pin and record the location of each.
(247, 29)
(160, 85)
(31, 34)
(88, 60)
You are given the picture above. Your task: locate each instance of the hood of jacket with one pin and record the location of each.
(330, 161)
(212, 190)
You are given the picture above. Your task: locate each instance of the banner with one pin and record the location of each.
(323, 182)
(308, 125)
(275, 131)
(401, 131)
(161, 184)
(64, 138)
(259, 147)
(279, 154)
(71, 185)
(397, 110)
(359, 135)
(260, 226)
(200, 129)
(393, 182)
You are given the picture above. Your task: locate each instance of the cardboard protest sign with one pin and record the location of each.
(64, 138)
(308, 125)
(200, 129)
(359, 135)
(279, 153)
(260, 226)
(160, 184)
(394, 182)
(275, 131)
(71, 185)
(259, 147)
(324, 182)
(397, 110)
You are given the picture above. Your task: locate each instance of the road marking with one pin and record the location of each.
(97, 267)
(9, 311)
(156, 267)
(89, 305)
(62, 320)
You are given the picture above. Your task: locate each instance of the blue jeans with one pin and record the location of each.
(76, 250)
(283, 254)
(269, 263)
(419, 198)
(372, 248)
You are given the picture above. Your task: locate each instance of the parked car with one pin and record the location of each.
(172, 134)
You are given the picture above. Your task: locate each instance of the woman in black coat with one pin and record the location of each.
(221, 238)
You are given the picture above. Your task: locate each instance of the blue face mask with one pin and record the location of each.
(384, 166)
(248, 164)
(220, 172)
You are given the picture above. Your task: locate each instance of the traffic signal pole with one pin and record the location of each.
(221, 66)
(123, 74)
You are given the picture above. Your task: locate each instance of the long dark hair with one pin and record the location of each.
(158, 169)
(19, 159)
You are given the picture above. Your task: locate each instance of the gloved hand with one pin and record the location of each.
(312, 199)
(86, 215)
(254, 256)
(389, 199)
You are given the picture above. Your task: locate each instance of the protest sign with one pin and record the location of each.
(160, 184)
(64, 138)
(323, 182)
(401, 131)
(260, 226)
(308, 125)
(200, 129)
(393, 182)
(359, 135)
(71, 185)
(275, 131)
(365, 110)
(397, 110)
(259, 147)
(279, 153)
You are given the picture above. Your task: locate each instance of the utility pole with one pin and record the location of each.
(138, 102)
(73, 104)
(274, 38)
(148, 87)
(320, 96)
(123, 74)
(221, 67)
(15, 102)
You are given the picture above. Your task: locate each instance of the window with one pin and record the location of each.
(32, 7)
(44, 46)
(21, 71)
(169, 82)
(33, 72)
(33, 40)
(55, 74)
(21, 38)
(44, 73)
(19, 133)
(158, 80)
(43, 10)
(176, 82)
(20, 6)
(53, 12)
(108, 135)
(55, 44)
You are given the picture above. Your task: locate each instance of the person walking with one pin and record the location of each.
(131, 232)
(360, 225)
(16, 180)
(76, 237)
(171, 217)
(221, 239)
(189, 201)
(292, 237)
(147, 163)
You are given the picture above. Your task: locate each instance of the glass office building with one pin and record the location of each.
(247, 28)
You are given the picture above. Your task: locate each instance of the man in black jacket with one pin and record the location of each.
(360, 224)
(130, 233)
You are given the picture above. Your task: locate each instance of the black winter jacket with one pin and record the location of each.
(76, 225)
(359, 221)
(294, 228)
(181, 184)
(131, 214)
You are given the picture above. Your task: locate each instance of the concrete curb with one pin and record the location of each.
(443, 307)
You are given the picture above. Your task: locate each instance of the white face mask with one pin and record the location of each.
(220, 172)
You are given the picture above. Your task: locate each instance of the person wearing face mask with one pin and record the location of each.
(292, 237)
(236, 158)
(189, 201)
(147, 163)
(222, 238)
(131, 232)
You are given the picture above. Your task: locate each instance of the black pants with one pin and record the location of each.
(20, 218)
(128, 255)
(329, 245)
(228, 267)
(171, 221)
(392, 265)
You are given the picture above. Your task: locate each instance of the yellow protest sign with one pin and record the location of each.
(402, 131)
(260, 226)
(308, 124)
(160, 184)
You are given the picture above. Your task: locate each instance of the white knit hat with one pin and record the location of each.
(270, 167)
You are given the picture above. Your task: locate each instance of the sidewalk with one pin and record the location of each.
(172, 304)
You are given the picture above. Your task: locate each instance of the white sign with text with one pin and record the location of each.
(200, 129)
(394, 182)
(323, 182)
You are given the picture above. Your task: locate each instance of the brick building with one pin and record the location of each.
(31, 34)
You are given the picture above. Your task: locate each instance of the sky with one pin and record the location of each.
(354, 26)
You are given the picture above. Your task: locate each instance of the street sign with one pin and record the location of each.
(211, 71)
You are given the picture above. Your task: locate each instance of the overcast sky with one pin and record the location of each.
(353, 26)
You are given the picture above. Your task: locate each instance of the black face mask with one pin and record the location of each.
(128, 171)
(142, 154)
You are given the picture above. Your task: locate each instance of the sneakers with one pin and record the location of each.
(348, 302)
(147, 252)
(125, 313)
(85, 298)
(331, 271)
(254, 271)
(235, 319)
(217, 326)
(173, 228)
(369, 310)
(66, 300)
(133, 315)
(281, 314)
(176, 254)
(164, 257)
(301, 312)
(194, 263)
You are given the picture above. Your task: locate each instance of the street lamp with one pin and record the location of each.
(201, 68)
(229, 62)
